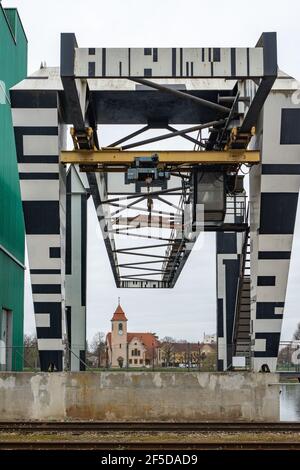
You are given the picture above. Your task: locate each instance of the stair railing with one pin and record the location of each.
(240, 281)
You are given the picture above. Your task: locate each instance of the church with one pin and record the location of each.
(126, 349)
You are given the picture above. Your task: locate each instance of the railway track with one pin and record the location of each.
(166, 446)
(146, 446)
(108, 427)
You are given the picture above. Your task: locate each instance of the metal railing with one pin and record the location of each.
(289, 356)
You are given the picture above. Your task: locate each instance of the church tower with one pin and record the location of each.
(119, 338)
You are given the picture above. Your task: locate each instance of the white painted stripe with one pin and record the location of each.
(38, 168)
(268, 326)
(275, 242)
(39, 190)
(45, 278)
(280, 183)
(273, 267)
(47, 297)
(38, 251)
(259, 361)
(50, 344)
(42, 320)
(278, 310)
(260, 345)
(37, 117)
(271, 293)
(40, 145)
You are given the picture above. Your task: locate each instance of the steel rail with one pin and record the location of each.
(154, 445)
(102, 426)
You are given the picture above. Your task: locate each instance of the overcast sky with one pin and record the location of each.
(189, 309)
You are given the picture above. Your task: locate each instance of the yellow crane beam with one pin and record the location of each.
(166, 157)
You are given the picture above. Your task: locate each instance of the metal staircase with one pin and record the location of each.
(242, 322)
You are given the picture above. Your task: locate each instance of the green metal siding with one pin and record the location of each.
(13, 68)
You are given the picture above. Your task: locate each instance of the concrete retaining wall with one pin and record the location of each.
(139, 396)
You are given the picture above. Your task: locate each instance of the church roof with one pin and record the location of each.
(119, 314)
(148, 340)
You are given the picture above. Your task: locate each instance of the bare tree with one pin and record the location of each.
(31, 355)
(97, 347)
(296, 336)
(167, 348)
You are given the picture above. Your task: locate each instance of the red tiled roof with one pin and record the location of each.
(119, 314)
(147, 339)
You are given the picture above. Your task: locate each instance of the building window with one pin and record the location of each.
(141, 361)
(130, 361)
(135, 361)
(139, 352)
(120, 346)
(120, 329)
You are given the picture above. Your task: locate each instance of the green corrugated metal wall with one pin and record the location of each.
(13, 68)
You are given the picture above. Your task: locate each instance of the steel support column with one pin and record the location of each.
(76, 248)
(274, 187)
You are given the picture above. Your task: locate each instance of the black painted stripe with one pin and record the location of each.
(290, 125)
(46, 288)
(266, 280)
(181, 61)
(209, 55)
(220, 319)
(274, 255)
(83, 247)
(216, 54)
(173, 62)
(278, 213)
(82, 360)
(282, 169)
(33, 99)
(39, 176)
(233, 61)
(45, 271)
(69, 324)
(187, 69)
(192, 69)
(38, 159)
(203, 54)
(69, 225)
(129, 62)
(272, 344)
(104, 62)
(41, 217)
(266, 310)
(92, 69)
(248, 62)
(54, 252)
(51, 357)
(120, 69)
(226, 243)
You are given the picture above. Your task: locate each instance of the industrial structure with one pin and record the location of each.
(13, 69)
(247, 120)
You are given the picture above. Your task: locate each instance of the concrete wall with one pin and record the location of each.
(139, 396)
